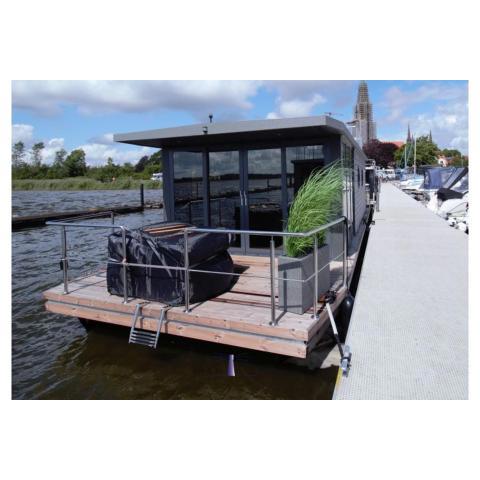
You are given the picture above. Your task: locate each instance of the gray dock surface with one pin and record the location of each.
(409, 326)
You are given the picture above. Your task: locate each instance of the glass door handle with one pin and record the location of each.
(243, 198)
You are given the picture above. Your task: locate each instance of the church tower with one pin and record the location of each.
(365, 127)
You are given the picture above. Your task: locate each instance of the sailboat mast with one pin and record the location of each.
(414, 155)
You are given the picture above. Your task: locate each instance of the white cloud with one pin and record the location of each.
(90, 97)
(396, 101)
(445, 112)
(448, 123)
(22, 133)
(51, 147)
(297, 98)
(296, 107)
(98, 154)
(105, 139)
(341, 93)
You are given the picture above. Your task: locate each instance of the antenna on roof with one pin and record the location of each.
(210, 116)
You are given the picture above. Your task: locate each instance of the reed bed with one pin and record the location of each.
(83, 183)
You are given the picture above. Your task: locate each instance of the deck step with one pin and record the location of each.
(145, 337)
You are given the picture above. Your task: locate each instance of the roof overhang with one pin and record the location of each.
(208, 134)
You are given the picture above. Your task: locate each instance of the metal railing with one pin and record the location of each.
(64, 224)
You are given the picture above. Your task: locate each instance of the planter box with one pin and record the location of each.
(297, 297)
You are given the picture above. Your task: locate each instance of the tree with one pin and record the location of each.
(141, 164)
(451, 153)
(37, 154)
(18, 154)
(381, 152)
(145, 161)
(426, 152)
(156, 159)
(75, 165)
(127, 170)
(58, 169)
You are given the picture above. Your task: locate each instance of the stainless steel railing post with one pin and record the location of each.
(187, 274)
(345, 251)
(124, 266)
(315, 289)
(112, 216)
(64, 260)
(273, 320)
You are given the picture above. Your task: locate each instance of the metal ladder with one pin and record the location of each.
(145, 337)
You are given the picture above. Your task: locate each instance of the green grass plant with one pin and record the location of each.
(318, 201)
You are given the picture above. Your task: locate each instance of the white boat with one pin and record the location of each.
(413, 183)
(158, 177)
(451, 199)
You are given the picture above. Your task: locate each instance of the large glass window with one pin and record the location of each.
(225, 201)
(265, 193)
(301, 161)
(188, 187)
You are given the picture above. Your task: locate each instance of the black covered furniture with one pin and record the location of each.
(163, 244)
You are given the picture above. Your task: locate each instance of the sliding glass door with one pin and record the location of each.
(188, 187)
(264, 186)
(225, 191)
(244, 189)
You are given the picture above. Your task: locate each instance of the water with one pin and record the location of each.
(53, 357)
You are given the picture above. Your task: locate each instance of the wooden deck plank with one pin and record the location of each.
(245, 316)
(198, 332)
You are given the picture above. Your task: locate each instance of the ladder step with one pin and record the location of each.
(143, 333)
(145, 337)
(143, 342)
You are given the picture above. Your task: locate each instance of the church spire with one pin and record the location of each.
(409, 137)
(430, 136)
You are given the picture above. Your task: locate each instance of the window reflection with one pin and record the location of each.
(301, 161)
(188, 187)
(265, 194)
(224, 180)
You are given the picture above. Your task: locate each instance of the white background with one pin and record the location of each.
(237, 40)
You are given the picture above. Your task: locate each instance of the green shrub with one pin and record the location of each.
(318, 201)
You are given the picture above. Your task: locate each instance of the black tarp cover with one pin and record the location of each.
(444, 194)
(207, 251)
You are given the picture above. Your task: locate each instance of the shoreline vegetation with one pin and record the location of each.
(83, 183)
(70, 171)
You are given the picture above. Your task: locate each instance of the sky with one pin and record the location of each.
(85, 114)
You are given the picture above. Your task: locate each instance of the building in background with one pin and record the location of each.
(362, 127)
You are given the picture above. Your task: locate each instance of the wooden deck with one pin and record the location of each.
(239, 317)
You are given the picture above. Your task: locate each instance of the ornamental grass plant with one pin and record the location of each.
(318, 201)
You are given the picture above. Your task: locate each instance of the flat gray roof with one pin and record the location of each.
(224, 132)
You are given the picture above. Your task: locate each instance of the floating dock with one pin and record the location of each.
(239, 317)
(409, 326)
(39, 220)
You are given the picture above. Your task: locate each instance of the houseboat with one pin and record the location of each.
(236, 178)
